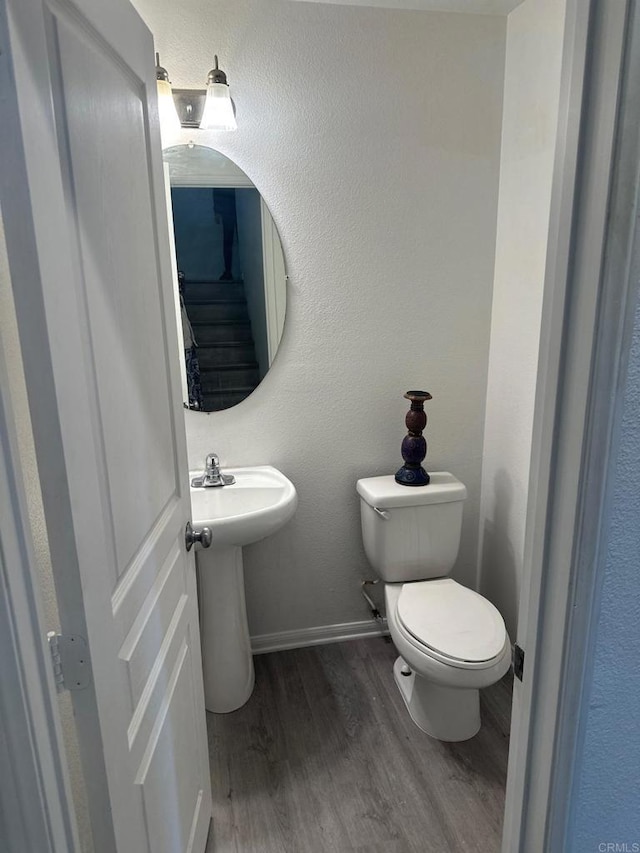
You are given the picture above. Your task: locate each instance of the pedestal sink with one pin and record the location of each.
(260, 501)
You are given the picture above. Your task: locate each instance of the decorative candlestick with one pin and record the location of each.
(414, 445)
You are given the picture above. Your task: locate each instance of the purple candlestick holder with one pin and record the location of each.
(414, 445)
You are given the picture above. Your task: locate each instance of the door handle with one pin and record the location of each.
(197, 534)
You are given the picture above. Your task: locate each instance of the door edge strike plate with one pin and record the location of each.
(518, 661)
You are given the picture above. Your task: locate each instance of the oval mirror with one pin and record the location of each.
(229, 275)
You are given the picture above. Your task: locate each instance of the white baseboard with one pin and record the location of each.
(318, 636)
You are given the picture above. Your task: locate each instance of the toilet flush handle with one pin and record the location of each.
(382, 513)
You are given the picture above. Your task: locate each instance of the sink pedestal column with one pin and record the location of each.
(226, 648)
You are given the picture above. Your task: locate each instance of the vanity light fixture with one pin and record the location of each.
(169, 121)
(219, 110)
(209, 109)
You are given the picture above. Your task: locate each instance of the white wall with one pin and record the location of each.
(531, 94)
(373, 136)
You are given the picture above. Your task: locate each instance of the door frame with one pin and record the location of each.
(577, 364)
(587, 318)
(35, 794)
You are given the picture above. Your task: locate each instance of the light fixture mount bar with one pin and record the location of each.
(189, 105)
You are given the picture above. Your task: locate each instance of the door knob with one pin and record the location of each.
(197, 534)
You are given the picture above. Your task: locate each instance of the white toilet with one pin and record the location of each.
(451, 640)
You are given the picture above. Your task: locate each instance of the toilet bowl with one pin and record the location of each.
(439, 672)
(452, 642)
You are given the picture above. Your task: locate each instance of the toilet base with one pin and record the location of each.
(445, 713)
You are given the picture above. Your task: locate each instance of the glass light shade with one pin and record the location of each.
(169, 121)
(218, 110)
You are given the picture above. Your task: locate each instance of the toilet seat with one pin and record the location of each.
(451, 623)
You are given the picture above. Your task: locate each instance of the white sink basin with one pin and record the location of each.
(260, 501)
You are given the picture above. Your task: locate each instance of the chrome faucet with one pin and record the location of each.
(212, 476)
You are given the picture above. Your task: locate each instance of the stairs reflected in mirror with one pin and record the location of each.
(220, 321)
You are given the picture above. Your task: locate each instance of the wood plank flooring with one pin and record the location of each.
(324, 757)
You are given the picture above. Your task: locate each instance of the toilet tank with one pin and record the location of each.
(411, 532)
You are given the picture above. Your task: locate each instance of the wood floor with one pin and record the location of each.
(324, 757)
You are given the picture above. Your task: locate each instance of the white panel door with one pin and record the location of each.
(81, 189)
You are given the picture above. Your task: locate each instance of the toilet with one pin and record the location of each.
(451, 641)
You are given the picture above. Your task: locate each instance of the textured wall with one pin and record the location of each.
(374, 137)
(531, 94)
(607, 809)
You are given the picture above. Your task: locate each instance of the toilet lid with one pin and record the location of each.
(452, 620)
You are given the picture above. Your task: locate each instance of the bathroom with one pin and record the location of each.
(393, 148)
(415, 232)
(392, 234)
